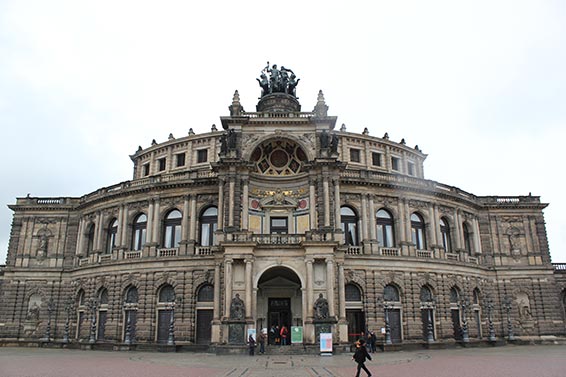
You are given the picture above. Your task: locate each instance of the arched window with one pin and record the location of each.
(467, 238)
(206, 293)
(353, 293)
(454, 295)
(111, 236)
(349, 223)
(172, 229)
(385, 234)
(208, 225)
(418, 231)
(90, 240)
(426, 294)
(445, 232)
(131, 296)
(103, 296)
(390, 293)
(166, 294)
(139, 232)
(476, 296)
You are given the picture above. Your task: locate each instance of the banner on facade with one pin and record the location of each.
(325, 342)
(296, 334)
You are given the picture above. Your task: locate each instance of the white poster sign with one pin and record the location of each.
(326, 342)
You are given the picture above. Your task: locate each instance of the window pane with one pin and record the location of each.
(205, 235)
(388, 236)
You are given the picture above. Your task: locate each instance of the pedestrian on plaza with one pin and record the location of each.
(251, 344)
(284, 334)
(371, 341)
(261, 340)
(360, 357)
(277, 335)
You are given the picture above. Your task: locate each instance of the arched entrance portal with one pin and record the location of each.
(279, 302)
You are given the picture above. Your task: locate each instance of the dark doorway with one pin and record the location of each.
(279, 313)
(204, 328)
(101, 325)
(163, 321)
(456, 324)
(356, 324)
(395, 325)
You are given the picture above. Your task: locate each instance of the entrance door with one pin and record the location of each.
(395, 325)
(204, 328)
(279, 314)
(101, 324)
(163, 321)
(456, 324)
(356, 324)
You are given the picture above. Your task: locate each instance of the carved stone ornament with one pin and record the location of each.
(321, 308)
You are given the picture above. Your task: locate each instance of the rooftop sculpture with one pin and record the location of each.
(279, 80)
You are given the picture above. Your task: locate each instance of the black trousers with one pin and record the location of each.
(360, 367)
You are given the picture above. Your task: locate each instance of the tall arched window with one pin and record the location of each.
(353, 293)
(467, 238)
(167, 294)
(102, 313)
(349, 223)
(130, 314)
(90, 240)
(426, 294)
(418, 231)
(445, 232)
(172, 229)
(385, 234)
(111, 236)
(454, 295)
(131, 296)
(208, 225)
(139, 232)
(390, 293)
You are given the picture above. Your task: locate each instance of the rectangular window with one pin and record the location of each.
(411, 168)
(376, 159)
(161, 164)
(202, 155)
(180, 159)
(279, 225)
(395, 163)
(354, 155)
(145, 170)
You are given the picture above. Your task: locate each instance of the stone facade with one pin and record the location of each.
(276, 210)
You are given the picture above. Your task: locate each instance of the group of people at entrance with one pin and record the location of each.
(279, 336)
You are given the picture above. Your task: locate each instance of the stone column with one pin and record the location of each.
(437, 218)
(433, 227)
(227, 286)
(477, 238)
(98, 239)
(342, 323)
(457, 231)
(220, 204)
(156, 221)
(216, 307)
(185, 219)
(245, 204)
(248, 288)
(309, 287)
(120, 227)
(401, 222)
(149, 235)
(337, 212)
(231, 195)
(372, 223)
(312, 205)
(326, 202)
(330, 287)
(363, 219)
(193, 220)
(407, 214)
(80, 237)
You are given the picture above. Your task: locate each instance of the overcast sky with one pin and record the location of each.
(480, 86)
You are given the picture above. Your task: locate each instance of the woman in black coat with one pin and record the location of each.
(360, 357)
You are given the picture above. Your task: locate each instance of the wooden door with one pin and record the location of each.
(102, 315)
(204, 327)
(163, 321)
(456, 324)
(395, 325)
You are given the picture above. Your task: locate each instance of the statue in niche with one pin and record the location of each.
(228, 141)
(334, 143)
(33, 312)
(324, 139)
(321, 307)
(237, 308)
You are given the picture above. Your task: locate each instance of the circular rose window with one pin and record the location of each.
(278, 157)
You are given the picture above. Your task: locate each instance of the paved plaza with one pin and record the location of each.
(516, 361)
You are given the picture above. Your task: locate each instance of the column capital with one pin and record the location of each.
(309, 260)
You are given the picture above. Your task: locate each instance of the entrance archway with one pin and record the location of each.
(279, 302)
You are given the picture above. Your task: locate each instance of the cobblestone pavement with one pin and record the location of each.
(515, 361)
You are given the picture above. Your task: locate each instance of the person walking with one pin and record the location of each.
(360, 357)
(284, 333)
(251, 344)
(261, 340)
